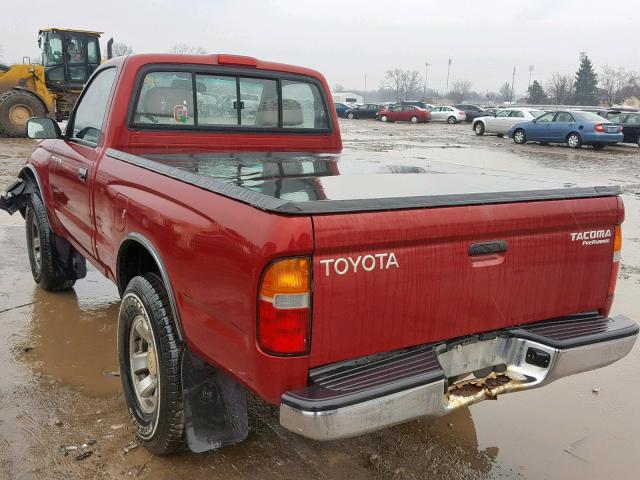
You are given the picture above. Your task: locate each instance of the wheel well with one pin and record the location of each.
(571, 133)
(134, 259)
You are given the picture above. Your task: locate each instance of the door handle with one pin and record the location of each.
(82, 174)
(485, 248)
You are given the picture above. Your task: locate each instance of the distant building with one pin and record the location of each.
(346, 97)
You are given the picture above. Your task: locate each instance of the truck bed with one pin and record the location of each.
(304, 183)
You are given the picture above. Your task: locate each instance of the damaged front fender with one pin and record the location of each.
(17, 196)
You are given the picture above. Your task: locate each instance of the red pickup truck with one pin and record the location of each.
(353, 290)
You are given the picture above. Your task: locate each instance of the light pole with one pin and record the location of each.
(446, 90)
(513, 79)
(426, 72)
(364, 93)
(530, 72)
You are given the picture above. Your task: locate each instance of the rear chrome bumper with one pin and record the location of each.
(336, 407)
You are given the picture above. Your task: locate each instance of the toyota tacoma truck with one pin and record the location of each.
(353, 290)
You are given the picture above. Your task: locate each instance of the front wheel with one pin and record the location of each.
(520, 137)
(16, 107)
(574, 140)
(150, 359)
(47, 269)
(451, 120)
(478, 128)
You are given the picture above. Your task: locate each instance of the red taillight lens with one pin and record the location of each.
(599, 127)
(283, 313)
(620, 128)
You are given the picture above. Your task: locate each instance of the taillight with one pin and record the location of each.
(599, 127)
(620, 128)
(283, 311)
(460, 113)
(615, 266)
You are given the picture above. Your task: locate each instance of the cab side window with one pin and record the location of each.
(90, 112)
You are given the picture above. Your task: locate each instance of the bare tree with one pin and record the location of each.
(560, 88)
(405, 83)
(120, 48)
(616, 85)
(338, 88)
(459, 90)
(505, 92)
(188, 49)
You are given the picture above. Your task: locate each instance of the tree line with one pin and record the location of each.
(585, 87)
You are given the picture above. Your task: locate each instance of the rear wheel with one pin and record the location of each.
(479, 128)
(384, 118)
(451, 120)
(574, 140)
(520, 137)
(46, 267)
(150, 357)
(16, 107)
(414, 119)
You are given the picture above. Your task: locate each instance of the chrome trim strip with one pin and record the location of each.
(145, 242)
(433, 400)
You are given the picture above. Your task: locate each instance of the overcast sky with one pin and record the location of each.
(347, 39)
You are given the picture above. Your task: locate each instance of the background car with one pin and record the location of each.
(503, 120)
(630, 126)
(575, 128)
(473, 111)
(404, 113)
(341, 108)
(447, 114)
(368, 110)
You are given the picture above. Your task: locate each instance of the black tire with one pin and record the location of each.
(162, 430)
(16, 107)
(478, 128)
(384, 118)
(599, 146)
(574, 140)
(46, 268)
(451, 120)
(414, 119)
(350, 116)
(520, 137)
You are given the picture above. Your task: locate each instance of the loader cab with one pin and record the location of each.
(69, 57)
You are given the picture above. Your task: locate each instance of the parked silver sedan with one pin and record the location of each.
(447, 114)
(504, 120)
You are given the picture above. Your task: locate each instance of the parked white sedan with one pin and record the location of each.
(447, 114)
(504, 120)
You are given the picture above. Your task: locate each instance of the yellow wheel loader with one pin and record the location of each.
(69, 57)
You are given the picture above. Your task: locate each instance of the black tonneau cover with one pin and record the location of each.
(305, 183)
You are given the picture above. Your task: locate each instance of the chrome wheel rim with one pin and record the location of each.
(414, 120)
(383, 118)
(519, 137)
(573, 141)
(143, 364)
(452, 120)
(36, 244)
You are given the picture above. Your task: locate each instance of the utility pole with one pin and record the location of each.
(530, 72)
(426, 72)
(446, 90)
(364, 93)
(513, 79)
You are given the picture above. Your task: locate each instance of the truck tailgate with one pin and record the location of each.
(392, 279)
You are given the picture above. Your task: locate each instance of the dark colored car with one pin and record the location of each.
(474, 111)
(630, 126)
(404, 113)
(341, 108)
(368, 110)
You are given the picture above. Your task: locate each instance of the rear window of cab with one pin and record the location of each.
(219, 101)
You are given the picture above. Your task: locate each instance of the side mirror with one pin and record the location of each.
(40, 128)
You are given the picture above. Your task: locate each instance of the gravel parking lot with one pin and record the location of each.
(58, 383)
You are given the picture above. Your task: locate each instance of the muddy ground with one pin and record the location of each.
(58, 355)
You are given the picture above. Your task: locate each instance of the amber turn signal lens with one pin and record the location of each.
(290, 275)
(617, 239)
